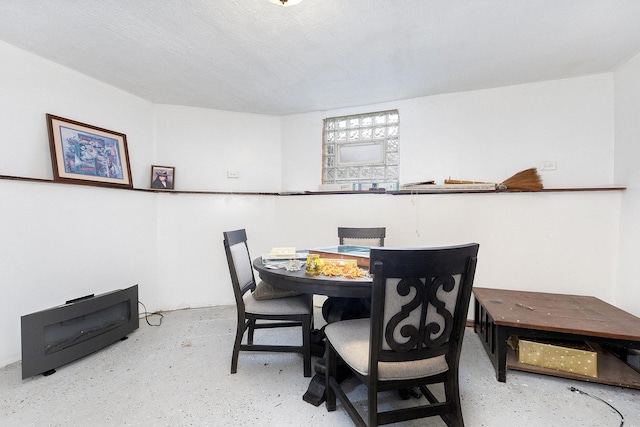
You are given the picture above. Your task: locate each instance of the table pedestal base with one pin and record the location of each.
(315, 391)
(317, 386)
(333, 310)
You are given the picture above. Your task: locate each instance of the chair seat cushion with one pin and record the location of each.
(266, 290)
(350, 339)
(291, 305)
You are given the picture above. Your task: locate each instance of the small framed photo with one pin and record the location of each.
(86, 154)
(163, 177)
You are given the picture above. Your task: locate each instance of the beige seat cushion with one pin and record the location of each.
(350, 338)
(291, 305)
(264, 291)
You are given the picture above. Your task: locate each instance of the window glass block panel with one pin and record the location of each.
(378, 173)
(361, 148)
(392, 173)
(392, 158)
(329, 162)
(365, 173)
(359, 154)
(329, 175)
(330, 137)
(329, 124)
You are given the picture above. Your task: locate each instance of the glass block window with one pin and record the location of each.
(361, 150)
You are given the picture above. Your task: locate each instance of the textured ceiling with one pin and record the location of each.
(254, 56)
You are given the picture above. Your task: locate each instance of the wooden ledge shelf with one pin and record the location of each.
(321, 193)
(544, 190)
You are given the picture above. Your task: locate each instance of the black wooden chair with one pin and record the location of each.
(277, 313)
(334, 308)
(373, 236)
(414, 336)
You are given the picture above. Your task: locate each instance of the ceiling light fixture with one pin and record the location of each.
(286, 3)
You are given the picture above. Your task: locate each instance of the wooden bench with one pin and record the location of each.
(501, 313)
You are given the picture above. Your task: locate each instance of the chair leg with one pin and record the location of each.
(311, 310)
(330, 372)
(452, 394)
(373, 403)
(306, 344)
(236, 345)
(251, 327)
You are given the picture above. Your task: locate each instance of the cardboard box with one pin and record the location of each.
(579, 359)
(347, 252)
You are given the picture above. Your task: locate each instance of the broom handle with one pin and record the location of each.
(459, 181)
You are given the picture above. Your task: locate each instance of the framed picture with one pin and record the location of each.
(163, 177)
(85, 154)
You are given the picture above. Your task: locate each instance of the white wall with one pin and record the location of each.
(192, 267)
(31, 87)
(59, 242)
(627, 156)
(549, 242)
(485, 135)
(64, 241)
(204, 144)
(302, 152)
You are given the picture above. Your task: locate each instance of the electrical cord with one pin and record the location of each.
(147, 314)
(602, 400)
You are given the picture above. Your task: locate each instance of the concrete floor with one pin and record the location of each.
(177, 374)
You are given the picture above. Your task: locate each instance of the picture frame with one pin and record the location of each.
(88, 155)
(163, 177)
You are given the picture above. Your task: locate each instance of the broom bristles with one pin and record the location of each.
(526, 180)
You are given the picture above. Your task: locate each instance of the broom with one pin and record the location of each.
(526, 180)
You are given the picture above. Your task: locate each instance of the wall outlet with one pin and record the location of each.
(232, 174)
(548, 166)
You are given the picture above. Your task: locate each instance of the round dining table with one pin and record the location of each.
(300, 281)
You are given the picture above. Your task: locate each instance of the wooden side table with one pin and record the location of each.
(501, 313)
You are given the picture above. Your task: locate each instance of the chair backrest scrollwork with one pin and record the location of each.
(420, 301)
